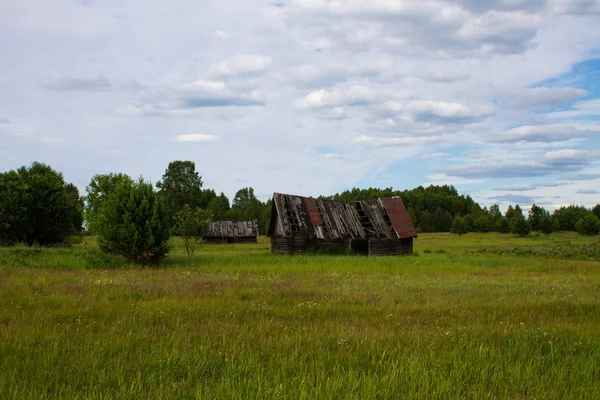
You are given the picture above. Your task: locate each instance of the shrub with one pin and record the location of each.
(519, 225)
(588, 225)
(132, 224)
(191, 224)
(458, 226)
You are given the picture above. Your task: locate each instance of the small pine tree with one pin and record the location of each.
(588, 225)
(458, 226)
(503, 225)
(519, 225)
(546, 224)
(131, 223)
(556, 224)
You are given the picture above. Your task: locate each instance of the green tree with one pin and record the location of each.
(100, 187)
(503, 225)
(245, 205)
(588, 225)
(519, 225)
(596, 210)
(180, 185)
(510, 211)
(52, 214)
(132, 223)
(75, 207)
(458, 226)
(469, 222)
(219, 206)
(569, 215)
(546, 223)
(191, 224)
(535, 216)
(14, 199)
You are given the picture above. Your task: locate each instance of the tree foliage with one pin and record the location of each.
(181, 184)
(518, 224)
(100, 187)
(588, 225)
(131, 223)
(37, 206)
(458, 226)
(191, 224)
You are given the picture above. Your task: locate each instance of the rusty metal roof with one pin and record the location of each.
(329, 219)
(232, 229)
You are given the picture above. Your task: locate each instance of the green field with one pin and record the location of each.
(476, 316)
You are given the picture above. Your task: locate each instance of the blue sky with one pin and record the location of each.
(500, 98)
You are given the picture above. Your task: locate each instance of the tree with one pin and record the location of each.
(100, 187)
(52, 211)
(519, 225)
(469, 222)
(588, 225)
(458, 226)
(503, 225)
(14, 198)
(191, 224)
(75, 208)
(510, 211)
(180, 185)
(569, 215)
(596, 210)
(546, 223)
(535, 216)
(132, 223)
(245, 205)
(219, 206)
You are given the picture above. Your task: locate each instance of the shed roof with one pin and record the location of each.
(232, 229)
(330, 219)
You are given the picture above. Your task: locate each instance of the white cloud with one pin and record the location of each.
(245, 64)
(340, 96)
(379, 141)
(221, 34)
(547, 133)
(196, 137)
(428, 110)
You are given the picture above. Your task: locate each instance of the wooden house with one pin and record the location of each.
(371, 227)
(220, 232)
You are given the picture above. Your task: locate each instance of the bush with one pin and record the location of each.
(519, 225)
(38, 207)
(458, 226)
(132, 224)
(191, 224)
(588, 225)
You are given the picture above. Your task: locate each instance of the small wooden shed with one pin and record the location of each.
(220, 232)
(371, 227)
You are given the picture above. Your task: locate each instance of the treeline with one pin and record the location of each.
(135, 218)
(443, 209)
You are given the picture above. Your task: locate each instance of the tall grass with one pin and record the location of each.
(236, 322)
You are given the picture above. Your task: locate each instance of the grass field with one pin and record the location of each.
(476, 316)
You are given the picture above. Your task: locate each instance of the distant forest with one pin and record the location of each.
(38, 206)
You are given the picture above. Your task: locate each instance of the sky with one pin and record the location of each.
(499, 98)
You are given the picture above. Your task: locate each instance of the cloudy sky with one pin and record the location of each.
(500, 98)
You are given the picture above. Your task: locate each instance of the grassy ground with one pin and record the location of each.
(476, 316)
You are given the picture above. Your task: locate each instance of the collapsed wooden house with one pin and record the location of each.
(372, 227)
(220, 232)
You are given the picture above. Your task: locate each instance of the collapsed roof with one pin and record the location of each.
(232, 229)
(330, 219)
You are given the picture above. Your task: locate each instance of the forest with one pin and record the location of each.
(38, 207)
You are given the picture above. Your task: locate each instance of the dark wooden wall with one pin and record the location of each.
(298, 243)
(225, 240)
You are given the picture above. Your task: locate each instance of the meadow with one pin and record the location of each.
(475, 316)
